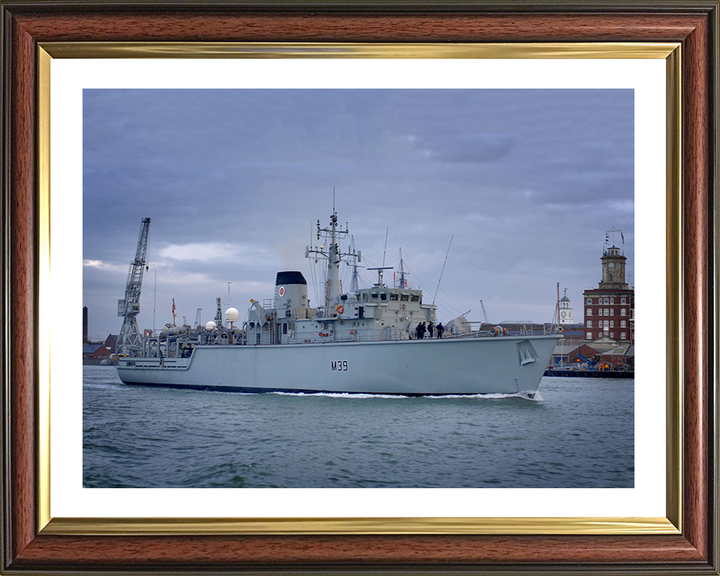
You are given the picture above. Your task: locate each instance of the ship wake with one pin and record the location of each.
(529, 396)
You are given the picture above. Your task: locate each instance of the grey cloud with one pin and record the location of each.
(527, 181)
(471, 148)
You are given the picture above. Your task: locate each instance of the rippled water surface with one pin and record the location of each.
(578, 434)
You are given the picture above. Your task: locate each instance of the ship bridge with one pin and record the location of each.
(396, 298)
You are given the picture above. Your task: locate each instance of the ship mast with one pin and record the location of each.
(402, 282)
(354, 285)
(332, 253)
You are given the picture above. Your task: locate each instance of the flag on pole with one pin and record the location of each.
(174, 311)
(607, 237)
(622, 237)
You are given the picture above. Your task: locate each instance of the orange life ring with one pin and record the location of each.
(148, 332)
(340, 309)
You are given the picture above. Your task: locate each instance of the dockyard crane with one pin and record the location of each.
(129, 341)
(485, 316)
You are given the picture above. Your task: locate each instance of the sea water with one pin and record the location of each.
(576, 433)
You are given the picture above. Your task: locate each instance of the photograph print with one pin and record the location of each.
(358, 288)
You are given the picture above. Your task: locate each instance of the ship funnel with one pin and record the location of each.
(290, 291)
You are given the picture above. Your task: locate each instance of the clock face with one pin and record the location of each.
(563, 314)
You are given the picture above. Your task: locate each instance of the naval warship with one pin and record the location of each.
(365, 341)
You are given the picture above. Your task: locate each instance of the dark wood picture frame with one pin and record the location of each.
(26, 24)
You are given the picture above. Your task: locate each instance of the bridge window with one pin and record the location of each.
(393, 296)
(415, 298)
(404, 297)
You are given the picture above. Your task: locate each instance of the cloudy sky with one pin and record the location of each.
(525, 183)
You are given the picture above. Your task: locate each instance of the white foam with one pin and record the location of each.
(530, 396)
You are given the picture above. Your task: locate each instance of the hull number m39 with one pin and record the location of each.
(339, 365)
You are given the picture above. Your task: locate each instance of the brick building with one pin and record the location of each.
(609, 309)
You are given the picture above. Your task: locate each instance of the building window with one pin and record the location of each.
(612, 323)
(623, 300)
(589, 312)
(589, 324)
(623, 324)
(612, 311)
(622, 312)
(612, 300)
(607, 301)
(606, 325)
(612, 334)
(623, 336)
(589, 300)
(605, 312)
(589, 335)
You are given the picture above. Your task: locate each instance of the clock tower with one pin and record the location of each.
(610, 308)
(565, 311)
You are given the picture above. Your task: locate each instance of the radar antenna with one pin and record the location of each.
(129, 341)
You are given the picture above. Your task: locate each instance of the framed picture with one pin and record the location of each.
(52, 523)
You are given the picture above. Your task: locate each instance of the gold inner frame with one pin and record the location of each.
(671, 524)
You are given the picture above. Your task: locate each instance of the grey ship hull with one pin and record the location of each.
(502, 365)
